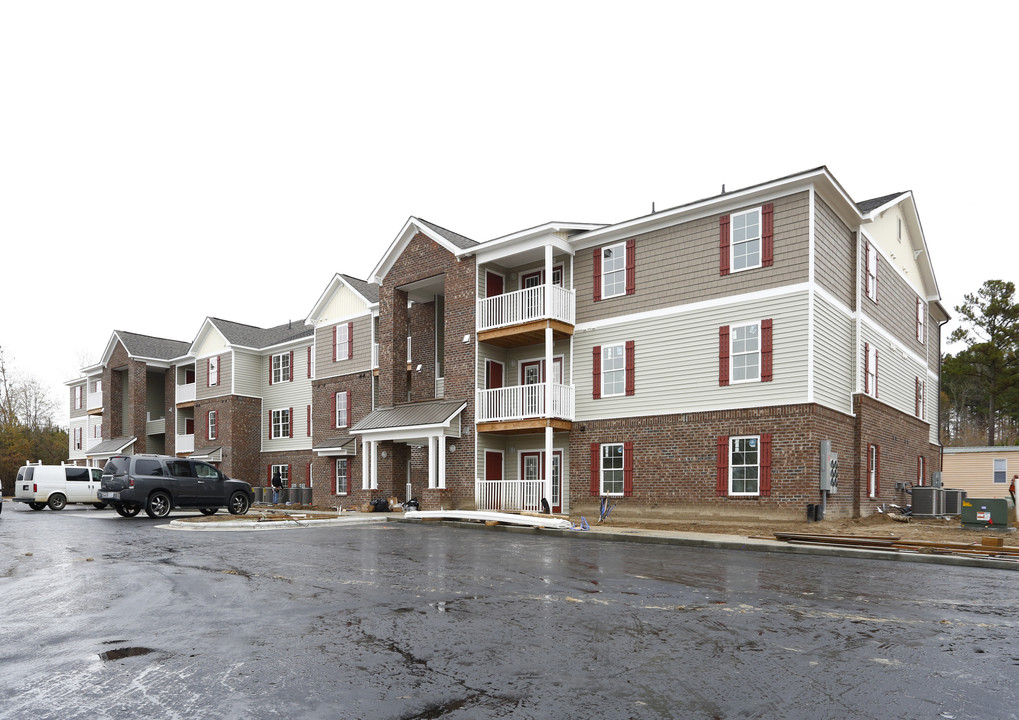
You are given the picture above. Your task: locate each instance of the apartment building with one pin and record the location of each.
(697, 358)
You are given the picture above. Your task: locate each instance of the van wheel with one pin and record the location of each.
(238, 504)
(127, 510)
(159, 505)
(37, 506)
(57, 502)
(208, 511)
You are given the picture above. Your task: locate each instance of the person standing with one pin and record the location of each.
(277, 485)
(1011, 489)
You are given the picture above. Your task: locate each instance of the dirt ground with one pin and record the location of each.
(879, 525)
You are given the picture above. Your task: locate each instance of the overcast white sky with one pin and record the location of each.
(164, 162)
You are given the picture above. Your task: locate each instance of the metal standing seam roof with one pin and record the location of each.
(335, 443)
(115, 445)
(410, 415)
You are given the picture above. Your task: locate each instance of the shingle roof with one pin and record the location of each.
(255, 337)
(410, 415)
(867, 205)
(152, 347)
(459, 240)
(369, 290)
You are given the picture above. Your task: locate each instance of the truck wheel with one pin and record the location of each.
(37, 506)
(238, 503)
(158, 505)
(99, 506)
(208, 511)
(57, 502)
(126, 510)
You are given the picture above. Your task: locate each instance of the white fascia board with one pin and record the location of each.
(712, 206)
(348, 318)
(203, 332)
(487, 253)
(272, 349)
(334, 284)
(411, 228)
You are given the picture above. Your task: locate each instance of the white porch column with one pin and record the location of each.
(441, 442)
(547, 492)
(375, 465)
(431, 462)
(366, 462)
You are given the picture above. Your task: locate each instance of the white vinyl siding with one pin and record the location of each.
(898, 370)
(833, 371)
(296, 395)
(678, 366)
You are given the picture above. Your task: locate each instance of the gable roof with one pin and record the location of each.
(152, 350)
(464, 243)
(369, 291)
(256, 338)
(867, 205)
(455, 243)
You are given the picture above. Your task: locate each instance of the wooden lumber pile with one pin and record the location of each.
(989, 547)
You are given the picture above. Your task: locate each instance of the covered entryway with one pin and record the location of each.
(532, 475)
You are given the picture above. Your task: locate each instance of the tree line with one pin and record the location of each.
(980, 383)
(27, 429)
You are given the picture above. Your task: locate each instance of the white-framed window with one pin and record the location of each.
(213, 424)
(613, 370)
(284, 471)
(920, 324)
(341, 341)
(920, 397)
(872, 371)
(214, 370)
(921, 470)
(745, 465)
(612, 469)
(745, 352)
(281, 423)
(281, 367)
(342, 476)
(342, 411)
(613, 270)
(745, 240)
(1000, 470)
(77, 397)
(871, 271)
(873, 470)
(77, 438)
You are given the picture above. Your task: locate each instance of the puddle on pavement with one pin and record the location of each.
(121, 653)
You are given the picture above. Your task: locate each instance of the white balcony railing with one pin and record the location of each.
(185, 443)
(519, 495)
(186, 393)
(94, 401)
(524, 401)
(525, 305)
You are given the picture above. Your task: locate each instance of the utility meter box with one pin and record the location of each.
(985, 513)
(829, 468)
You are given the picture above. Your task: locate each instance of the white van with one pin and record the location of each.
(57, 485)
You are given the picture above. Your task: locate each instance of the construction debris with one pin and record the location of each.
(987, 547)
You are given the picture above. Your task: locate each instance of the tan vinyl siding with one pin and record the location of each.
(895, 309)
(680, 264)
(676, 360)
(835, 246)
(362, 356)
(202, 389)
(511, 359)
(250, 374)
(83, 389)
(834, 334)
(973, 471)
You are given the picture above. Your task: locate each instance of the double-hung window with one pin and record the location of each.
(77, 397)
(746, 352)
(341, 413)
(870, 251)
(920, 324)
(1000, 470)
(613, 370)
(873, 470)
(281, 424)
(213, 425)
(213, 370)
(281, 367)
(613, 270)
(612, 469)
(870, 370)
(919, 397)
(745, 465)
(341, 478)
(745, 244)
(343, 345)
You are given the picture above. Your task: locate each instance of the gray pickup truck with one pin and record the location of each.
(159, 483)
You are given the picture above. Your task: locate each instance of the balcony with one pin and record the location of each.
(509, 495)
(185, 393)
(155, 426)
(521, 408)
(521, 317)
(94, 401)
(185, 444)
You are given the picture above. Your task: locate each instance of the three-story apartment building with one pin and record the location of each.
(694, 358)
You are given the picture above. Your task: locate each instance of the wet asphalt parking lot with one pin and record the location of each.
(109, 617)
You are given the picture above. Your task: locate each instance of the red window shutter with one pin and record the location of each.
(309, 421)
(723, 355)
(208, 365)
(628, 468)
(722, 476)
(596, 366)
(597, 274)
(631, 266)
(270, 424)
(336, 490)
(766, 371)
(630, 384)
(292, 366)
(290, 481)
(334, 343)
(291, 418)
(866, 368)
(765, 460)
(767, 235)
(875, 371)
(349, 417)
(333, 421)
(918, 397)
(270, 369)
(866, 269)
(595, 469)
(309, 361)
(723, 245)
(350, 340)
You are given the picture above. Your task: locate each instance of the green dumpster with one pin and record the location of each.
(985, 513)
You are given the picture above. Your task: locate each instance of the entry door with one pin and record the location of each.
(492, 499)
(494, 285)
(531, 374)
(532, 467)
